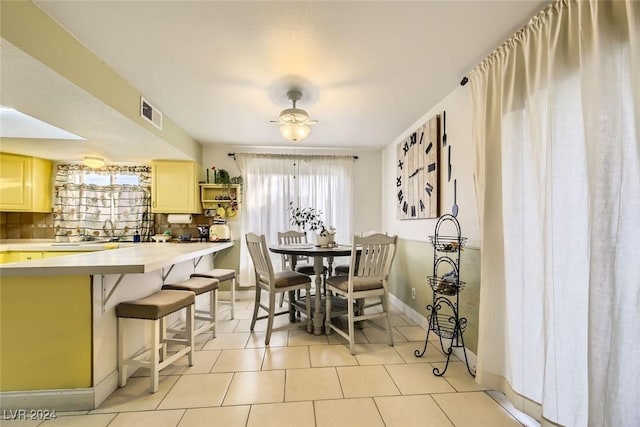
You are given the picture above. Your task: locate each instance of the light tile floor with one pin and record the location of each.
(300, 379)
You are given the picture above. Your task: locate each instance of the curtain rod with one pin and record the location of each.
(300, 155)
(514, 37)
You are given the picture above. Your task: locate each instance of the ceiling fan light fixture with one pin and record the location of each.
(93, 162)
(295, 132)
(294, 122)
(293, 115)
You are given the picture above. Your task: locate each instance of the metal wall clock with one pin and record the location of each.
(417, 172)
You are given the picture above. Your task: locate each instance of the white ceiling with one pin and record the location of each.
(221, 69)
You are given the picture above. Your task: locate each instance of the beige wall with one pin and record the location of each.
(414, 260)
(458, 108)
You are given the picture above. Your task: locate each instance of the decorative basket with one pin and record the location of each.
(445, 286)
(448, 243)
(444, 325)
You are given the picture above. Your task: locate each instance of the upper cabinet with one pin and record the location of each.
(215, 195)
(25, 183)
(174, 187)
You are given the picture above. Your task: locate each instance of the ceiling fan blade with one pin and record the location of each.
(293, 122)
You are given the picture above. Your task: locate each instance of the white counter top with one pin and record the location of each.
(48, 245)
(128, 258)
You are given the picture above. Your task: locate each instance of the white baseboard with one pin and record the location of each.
(79, 399)
(105, 388)
(410, 312)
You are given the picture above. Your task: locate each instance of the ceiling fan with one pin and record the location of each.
(294, 122)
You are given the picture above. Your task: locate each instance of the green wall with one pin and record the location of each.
(411, 266)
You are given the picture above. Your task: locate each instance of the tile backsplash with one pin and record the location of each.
(162, 224)
(28, 225)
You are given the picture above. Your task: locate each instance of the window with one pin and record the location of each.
(272, 182)
(110, 202)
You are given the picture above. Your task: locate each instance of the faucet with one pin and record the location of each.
(113, 230)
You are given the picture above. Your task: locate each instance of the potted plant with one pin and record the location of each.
(311, 219)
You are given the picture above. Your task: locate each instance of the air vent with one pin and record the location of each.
(150, 113)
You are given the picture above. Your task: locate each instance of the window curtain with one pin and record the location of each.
(85, 209)
(272, 181)
(555, 127)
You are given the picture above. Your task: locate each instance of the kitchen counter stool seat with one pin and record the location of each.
(199, 286)
(155, 308)
(222, 275)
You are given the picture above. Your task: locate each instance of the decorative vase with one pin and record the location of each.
(325, 241)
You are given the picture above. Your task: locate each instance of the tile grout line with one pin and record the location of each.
(441, 408)
(314, 408)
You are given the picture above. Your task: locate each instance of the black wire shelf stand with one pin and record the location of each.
(443, 314)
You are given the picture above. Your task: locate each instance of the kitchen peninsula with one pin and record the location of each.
(58, 335)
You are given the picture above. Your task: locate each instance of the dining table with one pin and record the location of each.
(318, 254)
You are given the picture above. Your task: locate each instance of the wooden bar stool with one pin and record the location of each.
(155, 307)
(199, 286)
(222, 275)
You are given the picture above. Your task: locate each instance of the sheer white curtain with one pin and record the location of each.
(272, 181)
(556, 113)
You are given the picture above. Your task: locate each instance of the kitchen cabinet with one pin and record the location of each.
(25, 183)
(174, 187)
(54, 312)
(22, 256)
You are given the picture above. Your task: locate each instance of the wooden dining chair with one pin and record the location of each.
(303, 264)
(368, 277)
(344, 268)
(293, 237)
(273, 283)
